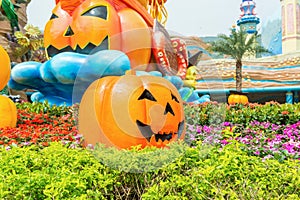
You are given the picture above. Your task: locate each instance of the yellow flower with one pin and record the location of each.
(32, 31)
(23, 41)
(228, 132)
(18, 34)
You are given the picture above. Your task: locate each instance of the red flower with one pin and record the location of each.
(45, 144)
(285, 112)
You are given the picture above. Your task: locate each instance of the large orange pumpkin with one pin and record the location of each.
(5, 68)
(82, 25)
(131, 110)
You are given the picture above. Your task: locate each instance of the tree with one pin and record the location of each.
(237, 45)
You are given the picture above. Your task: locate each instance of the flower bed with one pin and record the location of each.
(268, 131)
(38, 124)
(43, 158)
(203, 172)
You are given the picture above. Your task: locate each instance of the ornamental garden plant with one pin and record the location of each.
(230, 152)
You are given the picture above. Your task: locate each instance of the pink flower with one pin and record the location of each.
(224, 142)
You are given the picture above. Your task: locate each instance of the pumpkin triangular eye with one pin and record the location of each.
(174, 98)
(169, 110)
(53, 16)
(69, 32)
(99, 11)
(147, 95)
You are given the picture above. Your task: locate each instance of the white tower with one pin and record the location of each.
(290, 16)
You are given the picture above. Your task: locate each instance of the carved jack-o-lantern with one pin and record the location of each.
(131, 110)
(85, 26)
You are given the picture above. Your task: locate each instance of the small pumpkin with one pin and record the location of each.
(8, 112)
(5, 68)
(86, 26)
(129, 110)
(237, 98)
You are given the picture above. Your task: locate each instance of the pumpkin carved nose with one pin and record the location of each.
(69, 32)
(169, 110)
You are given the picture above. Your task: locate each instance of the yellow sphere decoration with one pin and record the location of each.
(4, 68)
(8, 112)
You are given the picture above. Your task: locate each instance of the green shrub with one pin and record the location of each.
(205, 114)
(204, 172)
(46, 108)
(53, 173)
(213, 113)
(227, 174)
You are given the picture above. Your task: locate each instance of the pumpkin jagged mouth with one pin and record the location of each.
(90, 48)
(148, 133)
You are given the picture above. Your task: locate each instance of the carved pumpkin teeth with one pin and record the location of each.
(163, 137)
(160, 136)
(145, 130)
(90, 48)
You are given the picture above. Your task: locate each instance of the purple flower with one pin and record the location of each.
(26, 143)
(190, 127)
(275, 127)
(64, 142)
(78, 137)
(206, 129)
(224, 142)
(192, 137)
(254, 123)
(199, 129)
(226, 124)
(267, 157)
(265, 124)
(289, 147)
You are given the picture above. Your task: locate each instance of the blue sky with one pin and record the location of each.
(186, 17)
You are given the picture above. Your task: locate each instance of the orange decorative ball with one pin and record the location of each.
(4, 68)
(8, 112)
(131, 110)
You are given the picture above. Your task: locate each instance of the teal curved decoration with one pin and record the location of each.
(64, 78)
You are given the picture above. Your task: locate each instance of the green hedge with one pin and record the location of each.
(216, 113)
(204, 172)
